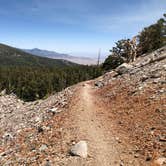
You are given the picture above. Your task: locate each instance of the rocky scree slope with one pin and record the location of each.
(135, 97)
(23, 123)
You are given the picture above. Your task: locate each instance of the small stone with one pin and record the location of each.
(43, 147)
(3, 154)
(118, 140)
(55, 110)
(48, 163)
(152, 132)
(80, 149)
(162, 138)
(156, 81)
(7, 137)
(121, 163)
(38, 119)
(144, 78)
(148, 158)
(158, 110)
(160, 161)
(140, 88)
(164, 66)
(99, 84)
(136, 155)
(3, 92)
(161, 91)
(156, 75)
(40, 129)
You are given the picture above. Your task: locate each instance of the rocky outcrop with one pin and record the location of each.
(148, 67)
(123, 68)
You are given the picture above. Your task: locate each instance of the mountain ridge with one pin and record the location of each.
(56, 55)
(11, 56)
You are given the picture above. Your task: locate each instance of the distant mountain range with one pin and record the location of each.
(10, 56)
(55, 55)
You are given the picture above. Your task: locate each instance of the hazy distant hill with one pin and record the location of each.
(16, 57)
(55, 55)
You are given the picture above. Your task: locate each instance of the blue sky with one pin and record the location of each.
(77, 27)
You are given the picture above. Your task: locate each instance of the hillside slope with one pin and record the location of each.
(121, 115)
(10, 56)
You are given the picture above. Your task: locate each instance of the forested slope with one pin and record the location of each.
(31, 77)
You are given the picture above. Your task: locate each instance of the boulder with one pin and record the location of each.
(2, 93)
(80, 149)
(99, 84)
(123, 68)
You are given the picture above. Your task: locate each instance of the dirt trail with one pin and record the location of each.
(92, 126)
(93, 130)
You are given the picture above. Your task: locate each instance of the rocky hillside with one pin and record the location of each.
(135, 97)
(124, 123)
(18, 117)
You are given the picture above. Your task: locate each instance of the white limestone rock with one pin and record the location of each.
(80, 149)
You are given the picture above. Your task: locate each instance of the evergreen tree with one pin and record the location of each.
(153, 37)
